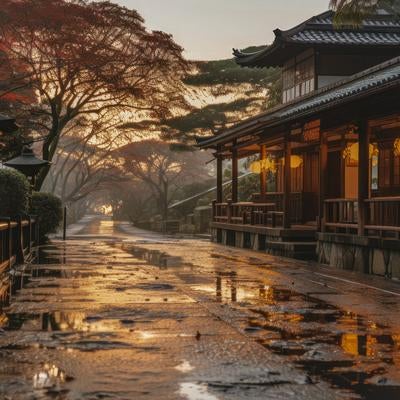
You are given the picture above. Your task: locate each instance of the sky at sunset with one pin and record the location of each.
(208, 29)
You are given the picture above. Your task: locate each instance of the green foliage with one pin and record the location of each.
(238, 93)
(14, 193)
(10, 144)
(275, 93)
(248, 186)
(48, 209)
(208, 117)
(229, 72)
(194, 189)
(352, 12)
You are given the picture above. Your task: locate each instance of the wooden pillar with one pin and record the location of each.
(220, 194)
(234, 175)
(263, 173)
(323, 176)
(363, 174)
(287, 183)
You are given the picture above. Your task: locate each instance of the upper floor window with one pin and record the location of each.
(298, 76)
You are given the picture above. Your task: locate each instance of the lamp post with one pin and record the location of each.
(28, 164)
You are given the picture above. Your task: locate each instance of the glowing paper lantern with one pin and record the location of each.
(351, 152)
(255, 167)
(396, 148)
(259, 166)
(295, 161)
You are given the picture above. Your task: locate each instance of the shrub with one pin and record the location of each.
(14, 193)
(48, 209)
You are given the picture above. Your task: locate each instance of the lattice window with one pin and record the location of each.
(298, 77)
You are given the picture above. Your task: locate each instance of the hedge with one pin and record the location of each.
(14, 193)
(48, 209)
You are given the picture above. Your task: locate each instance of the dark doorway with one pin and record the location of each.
(333, 184)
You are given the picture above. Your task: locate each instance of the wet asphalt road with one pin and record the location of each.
(118, 313)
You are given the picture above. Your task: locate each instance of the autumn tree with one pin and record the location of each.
(84, 161)
(163, 171)
(82, 58)
(131, 200)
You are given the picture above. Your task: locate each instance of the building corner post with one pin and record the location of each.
(363, 174)
(287, 183)
(263, 172)
(323, 167)
(235, 168)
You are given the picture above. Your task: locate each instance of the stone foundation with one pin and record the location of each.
(275, 242)
(368, 255)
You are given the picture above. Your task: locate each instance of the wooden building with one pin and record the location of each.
(328, 156)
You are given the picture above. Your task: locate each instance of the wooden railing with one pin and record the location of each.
(245, 213)
(340, 213)
(383, 215)
(17, 239)
(302, 204)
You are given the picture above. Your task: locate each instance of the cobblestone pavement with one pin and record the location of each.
(119, 313)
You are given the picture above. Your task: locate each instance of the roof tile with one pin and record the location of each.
(345, 37)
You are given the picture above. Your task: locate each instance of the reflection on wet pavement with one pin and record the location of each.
(337, 346)
(92, 320)
(196, 391)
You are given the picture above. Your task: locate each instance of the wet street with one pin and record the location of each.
(119, 313)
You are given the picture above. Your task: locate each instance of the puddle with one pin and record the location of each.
(330, 344)
(154, 257)
(51, 254)
(63, 321)
(184, 367)
(50, 377)
(196, 391)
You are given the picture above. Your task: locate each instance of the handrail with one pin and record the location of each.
(382, 216)
(344, 200)
(383, 199)
(4, 226)
(16, 240)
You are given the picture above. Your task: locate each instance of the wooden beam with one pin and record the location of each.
(343, 144)
(287, 183)
(220, 194)
(263, 174)
(235, 168)
(323, 176)
(363, 174)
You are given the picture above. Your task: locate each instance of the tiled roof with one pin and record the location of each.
(381, 20)
(346, 37)
(378, 30)
(373, 80)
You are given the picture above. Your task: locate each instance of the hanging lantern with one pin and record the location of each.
(396, 148)
(269, 165)
(259, 166)
(351, 152)
(255, 167)
(295, 161)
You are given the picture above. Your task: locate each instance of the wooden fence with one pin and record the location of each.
(17, 239)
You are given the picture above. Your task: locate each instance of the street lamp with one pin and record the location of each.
(27, 163)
